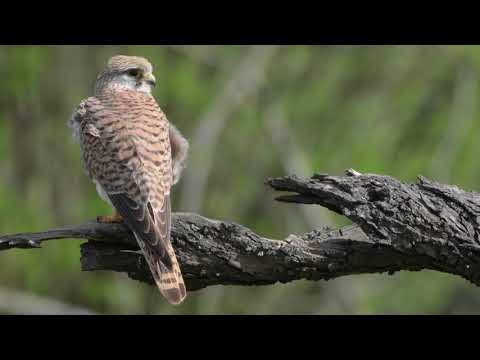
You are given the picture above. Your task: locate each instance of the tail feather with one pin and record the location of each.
(152, 231)
(169, 281)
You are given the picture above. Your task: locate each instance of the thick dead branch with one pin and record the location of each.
(398, 227)
(439, 223)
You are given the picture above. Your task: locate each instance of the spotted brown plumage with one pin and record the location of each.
(126, 149)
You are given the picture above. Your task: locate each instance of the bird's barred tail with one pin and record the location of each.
(152, 231)
(169, 281)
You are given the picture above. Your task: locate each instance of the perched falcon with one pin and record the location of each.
(134, 155)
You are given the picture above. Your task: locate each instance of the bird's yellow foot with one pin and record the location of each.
(110, 219)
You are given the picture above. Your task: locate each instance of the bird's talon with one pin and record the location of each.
(110, 219)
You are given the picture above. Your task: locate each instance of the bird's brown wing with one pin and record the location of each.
(126, 148)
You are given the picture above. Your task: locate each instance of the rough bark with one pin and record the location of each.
(438, 223)
(398, 226)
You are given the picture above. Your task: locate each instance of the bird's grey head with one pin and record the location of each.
(126, 72)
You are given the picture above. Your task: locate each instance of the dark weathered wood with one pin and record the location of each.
(437, 222)
(398, 226)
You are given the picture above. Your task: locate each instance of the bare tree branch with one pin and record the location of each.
(399, 226)
(437, 223)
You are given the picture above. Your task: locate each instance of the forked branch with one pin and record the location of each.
(397, 226)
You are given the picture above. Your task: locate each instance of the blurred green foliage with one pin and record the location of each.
(396, 110)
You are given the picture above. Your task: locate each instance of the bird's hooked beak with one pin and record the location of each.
(149, 78)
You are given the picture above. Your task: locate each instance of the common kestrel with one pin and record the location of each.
(134, 155)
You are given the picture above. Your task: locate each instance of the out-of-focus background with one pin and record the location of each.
(250, 112)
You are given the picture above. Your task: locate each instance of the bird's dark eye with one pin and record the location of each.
(133, 72)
